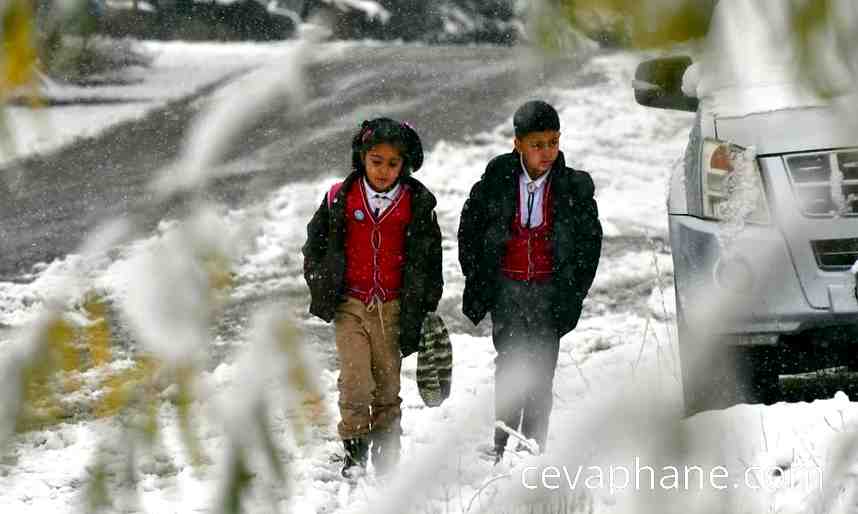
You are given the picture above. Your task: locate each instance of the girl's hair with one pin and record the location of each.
(400, 135)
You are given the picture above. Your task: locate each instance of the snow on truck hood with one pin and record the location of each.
(789, 130)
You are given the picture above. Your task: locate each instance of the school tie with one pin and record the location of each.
(378, 198)
(531, 193)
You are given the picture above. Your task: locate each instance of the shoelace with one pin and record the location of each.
(377, 304)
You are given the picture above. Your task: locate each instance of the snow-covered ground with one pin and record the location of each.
(616, 390)
(177, 70)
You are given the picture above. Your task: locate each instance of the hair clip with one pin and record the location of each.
(366, 135)
(407, 125)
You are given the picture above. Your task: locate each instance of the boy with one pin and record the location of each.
(529, 245)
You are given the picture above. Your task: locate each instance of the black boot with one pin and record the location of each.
(499, 450)
(385, 450)
(491, 452)
(356, 454)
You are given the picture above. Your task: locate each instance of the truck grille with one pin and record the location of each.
(835, 254)
(825, 184)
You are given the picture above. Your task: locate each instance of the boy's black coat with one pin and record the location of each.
(325, 260)
(485, 228)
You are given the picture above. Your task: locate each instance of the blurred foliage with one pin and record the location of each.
(552, 30)
(824, 32)
(53, 391)
(220, 274)
(268, 445)
(184, 403)
(41, 377)
(238, 479)
(75, 58)
(63, 353)
(638, 23)
(127, 386)
(313, 408)
(97, 494)
(18, 57)
(58, 40)
(76, 368)
(97, 334)
(18, 52)
(819, 27)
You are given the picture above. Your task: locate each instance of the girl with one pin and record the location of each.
(372, 261)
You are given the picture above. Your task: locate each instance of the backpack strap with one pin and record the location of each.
(332, 193)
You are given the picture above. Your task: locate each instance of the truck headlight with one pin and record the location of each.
(732, 184)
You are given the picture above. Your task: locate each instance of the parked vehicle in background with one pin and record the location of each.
(763, 216)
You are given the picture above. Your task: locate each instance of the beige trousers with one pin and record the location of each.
(370, 362)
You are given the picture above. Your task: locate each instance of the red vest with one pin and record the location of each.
(529, 253)
(375, 248)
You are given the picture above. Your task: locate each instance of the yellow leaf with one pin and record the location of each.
(18, 58)
(643, 23)
(97, 334)
(122, 387)
(219, 272)
(55, 353)
(313, 407)
(115, 397)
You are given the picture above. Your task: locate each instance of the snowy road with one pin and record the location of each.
(448, 93)
(452, 95)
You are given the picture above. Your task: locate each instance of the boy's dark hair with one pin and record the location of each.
(535, 116)
(397, 134)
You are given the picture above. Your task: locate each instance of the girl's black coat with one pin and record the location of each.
(485, 228)
(325, 260)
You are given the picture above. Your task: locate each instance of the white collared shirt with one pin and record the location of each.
(379, 202)
(525, 186)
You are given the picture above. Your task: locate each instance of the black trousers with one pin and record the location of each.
(525, 337)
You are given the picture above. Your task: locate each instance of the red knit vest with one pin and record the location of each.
(529, 253)
(375, 248)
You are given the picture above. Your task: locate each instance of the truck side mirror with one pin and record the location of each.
(658, 83)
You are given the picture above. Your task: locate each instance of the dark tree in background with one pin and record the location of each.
(432, 21)
(487, 21)
(198, 20)
(412, 19)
